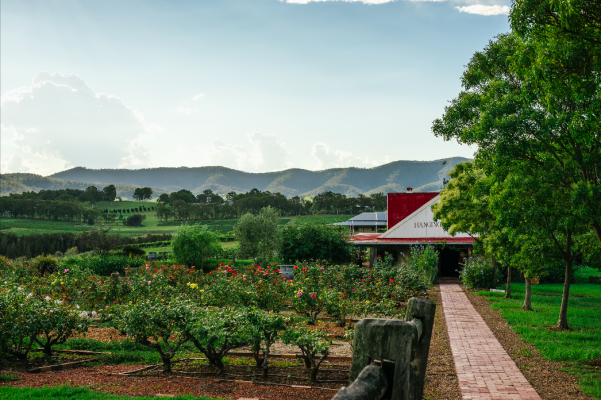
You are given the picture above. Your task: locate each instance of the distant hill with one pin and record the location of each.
(392, 177)
(20, 182)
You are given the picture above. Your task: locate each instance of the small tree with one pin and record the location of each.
(258, 234)
(269, 327)
(135, 220)
(312, 343)
(161, 322)
(216, 331)
(194, 244)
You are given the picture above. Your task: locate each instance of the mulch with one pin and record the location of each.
(100, 378)
(441, 379)
(544, 375)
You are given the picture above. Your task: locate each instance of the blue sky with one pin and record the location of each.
(257, 85)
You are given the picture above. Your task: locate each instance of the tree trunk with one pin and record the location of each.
(265, 360)
(508, 289)
(166, 364)
(527, 304)
(562, 323)
(314, 373)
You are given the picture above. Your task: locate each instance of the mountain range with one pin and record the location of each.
(397, 176)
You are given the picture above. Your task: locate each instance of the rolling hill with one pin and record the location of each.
(392, 177)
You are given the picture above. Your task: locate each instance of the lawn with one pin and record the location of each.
(68, 392)
(578, 349)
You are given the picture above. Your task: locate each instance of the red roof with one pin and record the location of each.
(402, 205)
(375, 239)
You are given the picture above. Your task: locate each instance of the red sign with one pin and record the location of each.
(402, 205)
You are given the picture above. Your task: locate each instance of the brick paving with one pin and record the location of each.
(484, 369)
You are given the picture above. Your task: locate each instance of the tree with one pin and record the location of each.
(138, 194)
(110, 193)
(163, 198)
(194, 244)
(314, 241)
(258, 234)
(146, 193)
(100, 240)
(93, 195)
(532, 125)
(135, 220)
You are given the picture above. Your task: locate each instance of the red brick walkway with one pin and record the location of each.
(484, 369)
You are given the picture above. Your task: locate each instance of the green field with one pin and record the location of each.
(150, 225)
(579, 348)
(69, 392)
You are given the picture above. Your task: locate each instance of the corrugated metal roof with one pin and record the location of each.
(371, 216)
(361, 223)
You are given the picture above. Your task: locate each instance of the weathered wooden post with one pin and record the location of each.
(400, 348)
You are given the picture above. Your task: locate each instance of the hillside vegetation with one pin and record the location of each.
(392, 177)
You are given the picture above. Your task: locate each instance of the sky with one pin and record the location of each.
(255, 85)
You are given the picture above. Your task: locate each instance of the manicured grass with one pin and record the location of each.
(33, 226)
(68, 392)
(580, 348)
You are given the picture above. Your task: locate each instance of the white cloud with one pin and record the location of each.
(264, 153)
(481, 9)
(184, 110)
(198, 96)
(375, 2)
(60, 122)
(327, 158)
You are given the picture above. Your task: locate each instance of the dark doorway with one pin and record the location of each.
(449, 262)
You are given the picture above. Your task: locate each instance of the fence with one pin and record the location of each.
(390, 356)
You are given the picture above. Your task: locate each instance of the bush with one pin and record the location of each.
(424, 260)
(258, 234)
(105, 266)
(477, 273)
(194, 244)
(135, 220)
(314, 241)
(133, 251)
(45, 264)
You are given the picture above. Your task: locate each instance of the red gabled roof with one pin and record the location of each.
(402, 205)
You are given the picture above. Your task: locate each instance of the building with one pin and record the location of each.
(410, 222)
(366, 222)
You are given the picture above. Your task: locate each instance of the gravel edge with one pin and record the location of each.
(441, 377)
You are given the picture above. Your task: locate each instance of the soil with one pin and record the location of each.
(99, 378)
(441, 379)
(544, 375)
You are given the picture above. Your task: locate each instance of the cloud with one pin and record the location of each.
(263, 153)
(198, 96)
(327, 158)
(184, 110)
(60, 122)
(481, 9)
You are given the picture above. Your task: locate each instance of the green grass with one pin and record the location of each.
(578, 349)
(150, 225)
(69, 392)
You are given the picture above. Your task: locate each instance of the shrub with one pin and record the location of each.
(194, 244)
(311, 343)
(314, 241)
(132, 251)
(477, 273)
(424, 260)
(45, 264)
(135, 220)
(105, 266)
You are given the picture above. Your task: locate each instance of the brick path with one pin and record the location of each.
(484, 369)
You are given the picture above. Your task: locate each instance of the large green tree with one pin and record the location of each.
(258, 234)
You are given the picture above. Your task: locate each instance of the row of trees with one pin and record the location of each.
(531, 102)
(183, 205)
(91, 194)
(57, 210)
